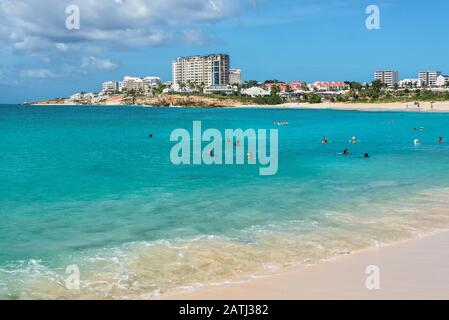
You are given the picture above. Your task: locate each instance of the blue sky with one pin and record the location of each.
(283, 39)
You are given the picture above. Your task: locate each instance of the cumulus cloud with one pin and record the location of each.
(37, 29)
(41, 24)
(37, 73)
(92, 63)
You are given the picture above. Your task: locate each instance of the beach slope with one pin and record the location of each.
(416, 269)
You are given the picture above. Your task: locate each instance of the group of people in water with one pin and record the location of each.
(354, 140)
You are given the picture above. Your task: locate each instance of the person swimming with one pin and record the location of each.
(366, 155)
(353, 140)
(440, 140)
(416, 142)
(325, 140)
(150, 136)
(346, 152)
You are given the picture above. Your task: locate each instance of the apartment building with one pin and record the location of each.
(211, 70)
(235, 76)
(429, 78)
(111, 86)
(389, 77)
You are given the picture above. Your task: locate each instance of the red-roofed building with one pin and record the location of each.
(297, 85)
(283, 87)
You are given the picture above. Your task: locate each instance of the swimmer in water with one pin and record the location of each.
(151, 135)
(325, 140)
(366, 156)
(440, 140)
(353, 140)
(346, 152)
(417, 142)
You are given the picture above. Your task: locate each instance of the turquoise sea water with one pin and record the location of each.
(88, 187)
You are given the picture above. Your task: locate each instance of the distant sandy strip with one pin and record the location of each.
(416, 269)
(397, 106)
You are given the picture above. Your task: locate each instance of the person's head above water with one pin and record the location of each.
(366, 155)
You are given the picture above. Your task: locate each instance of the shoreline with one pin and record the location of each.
(411, 269)
(438, 107)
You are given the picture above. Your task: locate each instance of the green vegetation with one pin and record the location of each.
(313, 98)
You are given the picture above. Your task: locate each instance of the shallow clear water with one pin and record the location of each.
(87, 186)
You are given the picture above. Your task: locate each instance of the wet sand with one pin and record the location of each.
(415, 269)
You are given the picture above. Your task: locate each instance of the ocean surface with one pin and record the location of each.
(86, 186)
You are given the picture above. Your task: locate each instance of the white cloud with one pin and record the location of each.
(92, 63)
(37, 29)
(40, 24)
(37, 73)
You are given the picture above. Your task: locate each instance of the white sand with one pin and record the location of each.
(397, 106)
(416, 269)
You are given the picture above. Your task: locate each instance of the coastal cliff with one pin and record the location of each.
(161, 100)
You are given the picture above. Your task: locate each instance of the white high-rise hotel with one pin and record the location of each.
(389, 77)
(211, 70)
(429, 78)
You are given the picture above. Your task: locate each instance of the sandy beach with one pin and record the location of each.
(213, 103)
(415, 269)
(396, 106)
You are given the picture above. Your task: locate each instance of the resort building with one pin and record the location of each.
(297, 85)
(219, 90)
(211, 70)
(329, 86)
(256, 92)
(111, 86)
(410, 83)
(139, 84)
(442, 81)
(429, 78)
(388, 77)
(235, 76)
(287, 87)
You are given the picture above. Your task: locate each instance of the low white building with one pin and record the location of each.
(85, 96)
(442, 81)
(410, 83)
(136, 83)
(219, 90)
(329, 86)
(256, 92)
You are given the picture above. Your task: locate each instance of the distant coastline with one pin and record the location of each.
(196, 101)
